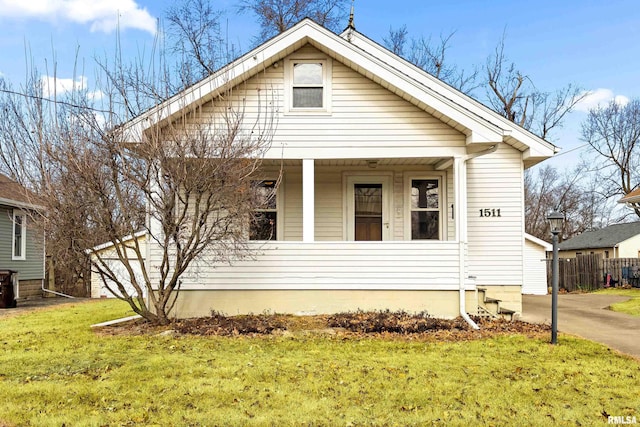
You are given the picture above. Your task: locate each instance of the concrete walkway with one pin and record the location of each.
(586, 315)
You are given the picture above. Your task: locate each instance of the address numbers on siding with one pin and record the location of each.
(490, 213)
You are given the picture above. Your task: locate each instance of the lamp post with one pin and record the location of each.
(555, 219)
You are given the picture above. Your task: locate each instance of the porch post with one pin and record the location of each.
(308, 200)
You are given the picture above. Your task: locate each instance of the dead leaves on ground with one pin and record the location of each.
(379, 324)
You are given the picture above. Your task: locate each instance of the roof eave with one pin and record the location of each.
(21, 205)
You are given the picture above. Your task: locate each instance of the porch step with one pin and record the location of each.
(488, 306)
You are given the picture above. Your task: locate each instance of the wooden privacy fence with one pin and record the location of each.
(589, 272)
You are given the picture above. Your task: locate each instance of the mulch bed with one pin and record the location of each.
(382, 324)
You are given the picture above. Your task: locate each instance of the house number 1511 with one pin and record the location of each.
(487, 213)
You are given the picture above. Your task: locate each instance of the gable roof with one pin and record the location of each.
(533, 239)
(14, 194)
(606, 237)
(480, 124)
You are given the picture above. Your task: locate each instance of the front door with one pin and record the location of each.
(368, 211)
(368, 207)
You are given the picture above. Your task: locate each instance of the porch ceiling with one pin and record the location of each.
(358, 162)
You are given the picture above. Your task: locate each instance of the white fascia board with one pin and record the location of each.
(107, 245)
(540, 147)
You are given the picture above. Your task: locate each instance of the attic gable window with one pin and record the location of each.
(308, 85)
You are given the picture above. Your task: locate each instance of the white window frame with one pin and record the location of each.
(326, 84)
(279, 210)
(23, 234)
(442, 199)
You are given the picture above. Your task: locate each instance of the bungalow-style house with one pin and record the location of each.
(21, 245)
(398, 191)
(614, 241)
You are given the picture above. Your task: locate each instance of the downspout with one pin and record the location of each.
(44, 268)
(461, 227)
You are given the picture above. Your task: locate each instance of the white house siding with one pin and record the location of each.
(292, 209)
(629, 248)
(364, 115)
(535, 269)
(495, 181)
(99, 290)
(336, 265)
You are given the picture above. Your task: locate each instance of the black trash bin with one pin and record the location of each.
(7, 297)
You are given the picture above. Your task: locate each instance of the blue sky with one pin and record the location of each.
(594, 44)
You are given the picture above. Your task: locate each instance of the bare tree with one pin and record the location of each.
(277, 16)
(574, 193)
(187, 185)
(513, 95)
(613, 133)
(431, 57)
(195, 37)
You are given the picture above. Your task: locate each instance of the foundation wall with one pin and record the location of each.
(444, 304)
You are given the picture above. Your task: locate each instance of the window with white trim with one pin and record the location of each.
(264, 224)
(19, 241)
(425, 207)
(308, 85)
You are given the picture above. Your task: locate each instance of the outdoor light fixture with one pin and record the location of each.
(555, 219)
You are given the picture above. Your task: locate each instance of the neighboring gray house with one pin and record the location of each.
(21, 246)
(614, 241)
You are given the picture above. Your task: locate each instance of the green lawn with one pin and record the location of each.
(632, 306)
(54, 370)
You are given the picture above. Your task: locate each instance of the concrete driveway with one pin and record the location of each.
(586, 315)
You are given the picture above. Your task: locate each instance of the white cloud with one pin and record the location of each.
(600, 98)
(102, 15)
(54, 86)
(95, 95)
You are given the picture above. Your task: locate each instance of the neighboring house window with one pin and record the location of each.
(425, 207)
(309, 85)
(264, 224)
(19, 235)
(606, 254)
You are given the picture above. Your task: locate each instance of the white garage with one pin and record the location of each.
(535, 265)
(107, 253)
